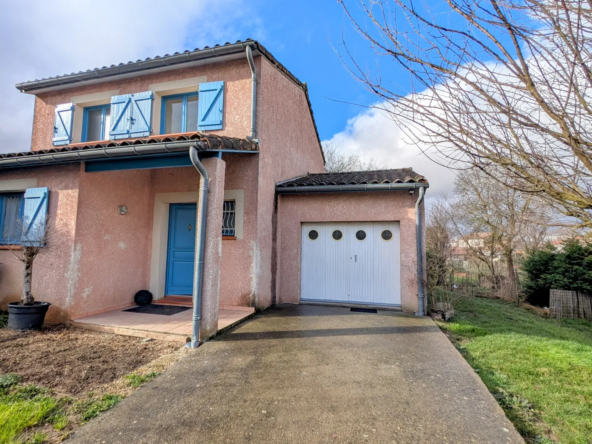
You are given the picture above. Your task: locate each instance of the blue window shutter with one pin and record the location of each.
(62, 127)
(35, 216)
(211, 106)
(121, 116)
(141, 122)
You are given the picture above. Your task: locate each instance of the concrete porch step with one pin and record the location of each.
(168, 336)
(183, 301)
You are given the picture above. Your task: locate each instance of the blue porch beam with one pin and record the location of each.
(146, 162)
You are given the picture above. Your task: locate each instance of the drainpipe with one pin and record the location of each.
(253, 135)
(200, 246)
(418, 236)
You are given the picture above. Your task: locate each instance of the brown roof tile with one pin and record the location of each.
(213, 142)
(401, 175)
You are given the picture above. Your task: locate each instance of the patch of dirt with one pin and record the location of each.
(71, 361)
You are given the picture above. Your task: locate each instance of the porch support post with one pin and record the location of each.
(210, 301)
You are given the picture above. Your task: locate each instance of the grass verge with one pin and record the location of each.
(26, 408)
(539, 369)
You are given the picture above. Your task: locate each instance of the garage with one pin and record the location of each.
(354, 262)
(352, 238)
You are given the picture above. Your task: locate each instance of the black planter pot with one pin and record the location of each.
(27, 317)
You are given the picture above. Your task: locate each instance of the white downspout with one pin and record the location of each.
(253, 135)
(418, 236)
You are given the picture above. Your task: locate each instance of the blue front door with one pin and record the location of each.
(181, 249)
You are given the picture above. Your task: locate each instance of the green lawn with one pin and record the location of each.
(539, 370)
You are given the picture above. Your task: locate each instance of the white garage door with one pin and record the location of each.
(351, 262)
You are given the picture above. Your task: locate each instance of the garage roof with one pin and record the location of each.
(401, 175)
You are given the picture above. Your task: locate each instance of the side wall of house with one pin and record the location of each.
(55, 269)
(293, 210)
(289, 148)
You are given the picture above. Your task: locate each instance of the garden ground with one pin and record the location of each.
(539, 369)
(55, 380)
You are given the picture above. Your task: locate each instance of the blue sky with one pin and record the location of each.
(42, 39)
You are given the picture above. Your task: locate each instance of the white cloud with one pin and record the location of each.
(373, 135)
(42, 39)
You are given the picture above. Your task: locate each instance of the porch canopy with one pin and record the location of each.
(148, 152)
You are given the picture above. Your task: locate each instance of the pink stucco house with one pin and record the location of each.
(199, 174)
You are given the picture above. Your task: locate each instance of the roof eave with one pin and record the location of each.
(142, 67)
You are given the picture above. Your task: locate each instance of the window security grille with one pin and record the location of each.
(228, 217)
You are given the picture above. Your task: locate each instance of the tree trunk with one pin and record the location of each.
(27, 298)
(511, 274)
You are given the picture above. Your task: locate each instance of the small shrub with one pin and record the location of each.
(549, 268)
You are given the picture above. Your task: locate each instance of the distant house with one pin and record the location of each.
(110, 166)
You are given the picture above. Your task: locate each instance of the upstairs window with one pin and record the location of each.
(96, 122)
(11, 214)
(179, 113)
(228, 218)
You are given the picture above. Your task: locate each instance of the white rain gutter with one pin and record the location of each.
(253, 135)
(418, 238)
(62, 157)
(200, 246)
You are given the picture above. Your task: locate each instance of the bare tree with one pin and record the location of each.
(503, 83)
(33, 239)
(337, 161)
(503, 216)
(439, 235)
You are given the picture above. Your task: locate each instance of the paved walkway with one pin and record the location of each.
(307, 374)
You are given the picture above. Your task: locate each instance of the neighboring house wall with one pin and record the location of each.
(56, 268)
(293, 210)
(289, 148)
(237, 98)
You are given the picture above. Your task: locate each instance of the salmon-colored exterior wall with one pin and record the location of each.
(289, 148)
(293, 210)
(55, 267)
(237, 99)
(103, 258)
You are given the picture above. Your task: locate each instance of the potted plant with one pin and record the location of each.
(28, 314)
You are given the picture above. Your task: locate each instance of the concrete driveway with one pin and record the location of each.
(311, 374)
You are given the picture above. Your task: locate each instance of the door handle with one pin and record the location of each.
(356, 258)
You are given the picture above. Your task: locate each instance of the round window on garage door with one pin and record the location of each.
(313, 234)
(337, 235)
(360, 235)
(387, 235)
